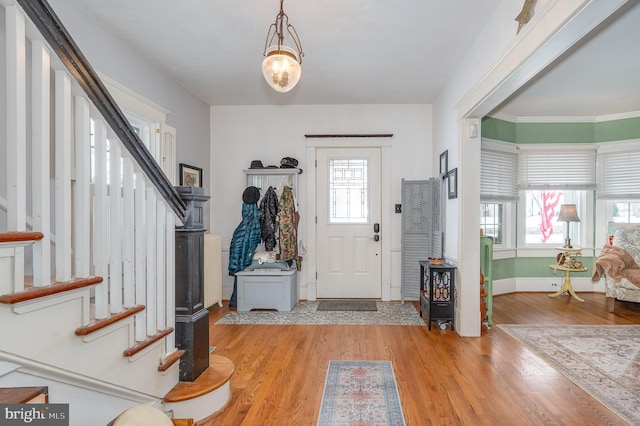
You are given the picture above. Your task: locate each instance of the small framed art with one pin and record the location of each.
(190, 175)
(444, 163)
(452, 182)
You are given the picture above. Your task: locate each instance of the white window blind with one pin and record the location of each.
(551, 167)
(498, 176)
(619, 175)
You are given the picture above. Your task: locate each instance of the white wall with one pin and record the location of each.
(115, 58)
(243, 133)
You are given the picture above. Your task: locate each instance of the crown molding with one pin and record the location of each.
(558, 119)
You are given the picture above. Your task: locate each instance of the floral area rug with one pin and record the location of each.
(604, 360)
(306, 313)
(360, 393)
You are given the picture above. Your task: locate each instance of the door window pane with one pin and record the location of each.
(348, 191)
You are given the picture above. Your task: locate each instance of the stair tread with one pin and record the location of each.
(14, 236)
(219, 372)
(30, 292)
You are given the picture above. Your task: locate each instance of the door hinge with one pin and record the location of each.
(316, 161)
(316, 275)
(316, 220)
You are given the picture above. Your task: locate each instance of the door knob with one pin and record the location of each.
(376, 237)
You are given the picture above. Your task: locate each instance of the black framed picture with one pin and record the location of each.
(190, 175)
(444, 163)
(452, 182)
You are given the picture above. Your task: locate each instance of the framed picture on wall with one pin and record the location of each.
(452, 176)
(444, 163)
(190, 175)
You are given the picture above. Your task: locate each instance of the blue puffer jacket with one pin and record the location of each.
(245, 239)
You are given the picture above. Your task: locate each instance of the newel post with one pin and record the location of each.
(192, 318)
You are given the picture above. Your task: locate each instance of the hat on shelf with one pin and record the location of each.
(256, 164)
(251, 195)
(288, 163)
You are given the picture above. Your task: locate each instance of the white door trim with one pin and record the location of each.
(385, 199)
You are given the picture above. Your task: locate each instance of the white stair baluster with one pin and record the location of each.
(161, 253)
(82, 188)
(151, 261)
(63, 175)
(141, 250)
(40, 157)
(16, 135)
(170, 230)
(128, 232)
(101, 219)
(115, 234)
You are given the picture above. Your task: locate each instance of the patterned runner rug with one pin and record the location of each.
(360, 393)
(306, 313)
(604, 360)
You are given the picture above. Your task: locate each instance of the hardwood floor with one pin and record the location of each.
(442, 378)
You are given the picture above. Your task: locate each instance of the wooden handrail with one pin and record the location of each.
(48, 23)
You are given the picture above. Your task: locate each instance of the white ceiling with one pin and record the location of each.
(364, 52)
(355, 52)
(599, 77)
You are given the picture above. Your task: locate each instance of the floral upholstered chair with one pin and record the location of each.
(620, 264)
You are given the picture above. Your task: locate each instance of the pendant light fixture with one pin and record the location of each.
(281, 65)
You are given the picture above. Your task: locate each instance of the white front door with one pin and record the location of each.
(348, 208)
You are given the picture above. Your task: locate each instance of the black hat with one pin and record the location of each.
(251, 195)
(256, 164)
(288, 163)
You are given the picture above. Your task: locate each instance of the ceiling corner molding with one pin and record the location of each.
(504, 117)
(620, 116)
(556, 119)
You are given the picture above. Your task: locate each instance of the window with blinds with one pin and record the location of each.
(619, 175)
(552, 167)
(498, 173)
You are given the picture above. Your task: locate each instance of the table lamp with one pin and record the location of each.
(568, 213)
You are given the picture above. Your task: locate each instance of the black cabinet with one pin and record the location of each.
(437, 292)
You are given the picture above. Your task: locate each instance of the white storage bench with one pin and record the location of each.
(261, 289)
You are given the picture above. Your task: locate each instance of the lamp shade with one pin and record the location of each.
(568, 213)
(281, 68)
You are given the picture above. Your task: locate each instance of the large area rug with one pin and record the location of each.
(604, 360)
(306, 313)
(360, 393)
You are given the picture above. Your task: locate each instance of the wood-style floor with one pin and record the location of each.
(442, 378)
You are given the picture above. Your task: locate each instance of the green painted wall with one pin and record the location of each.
(617, 130)
(504, 268)
(500, 130)
(554, 133)
(524, 133)
(539, 266)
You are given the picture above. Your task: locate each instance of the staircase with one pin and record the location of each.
(87, 238)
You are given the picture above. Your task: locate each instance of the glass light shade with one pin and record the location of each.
(281, 68)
